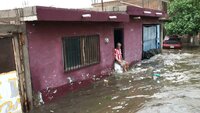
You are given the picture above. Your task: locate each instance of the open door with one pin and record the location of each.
(119, 38)
(151, 40)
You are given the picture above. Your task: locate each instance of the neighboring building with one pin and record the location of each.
(151, 32)
(118, 5)
(60, 50)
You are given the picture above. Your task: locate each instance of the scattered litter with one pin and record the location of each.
(158, 75)
(51, 111)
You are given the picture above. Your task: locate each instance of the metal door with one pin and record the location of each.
(151, 37)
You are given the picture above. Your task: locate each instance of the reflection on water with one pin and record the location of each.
(175, 90)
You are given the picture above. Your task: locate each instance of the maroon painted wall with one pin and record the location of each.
(133, 37)
(46, 58)
(133, 41)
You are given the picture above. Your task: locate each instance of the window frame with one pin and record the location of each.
(67, 69)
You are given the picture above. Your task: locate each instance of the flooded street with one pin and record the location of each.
(166, 83)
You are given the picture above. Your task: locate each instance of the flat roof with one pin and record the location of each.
(62, 14)
(41, 13)
(145, 12)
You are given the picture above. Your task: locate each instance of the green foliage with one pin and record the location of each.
(184, 16)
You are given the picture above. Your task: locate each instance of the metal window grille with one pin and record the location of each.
(81, 51)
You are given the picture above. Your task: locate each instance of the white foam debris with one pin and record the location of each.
(40, 98)
(69, 79)
(139, 64)
(169, 63)
(105, 80)
(137, 96)
(176, 77)
(126, 88)
(117, 107)
(55, 91)
(169, 58)
(115, 97)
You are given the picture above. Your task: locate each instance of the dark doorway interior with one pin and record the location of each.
(7, 62)
(119, 37)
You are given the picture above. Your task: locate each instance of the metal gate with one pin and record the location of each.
(151, 37)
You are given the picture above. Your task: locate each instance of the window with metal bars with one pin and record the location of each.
(80, 51)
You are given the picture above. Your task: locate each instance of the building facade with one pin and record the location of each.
(61, 50)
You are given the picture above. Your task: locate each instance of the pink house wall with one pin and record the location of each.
(46, 58)
(133, 40)
(133, 31)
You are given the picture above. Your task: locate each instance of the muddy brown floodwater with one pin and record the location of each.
(175, 90)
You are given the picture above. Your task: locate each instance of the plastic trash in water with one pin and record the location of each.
(118, 68)
(156, 76)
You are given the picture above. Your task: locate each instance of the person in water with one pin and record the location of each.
(119, 59)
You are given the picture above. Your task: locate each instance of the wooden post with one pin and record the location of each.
(22, 67)
(27, 71)
(20, 70)
(102, 5)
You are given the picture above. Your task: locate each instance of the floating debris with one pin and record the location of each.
(138, 96)
(115, 97)
(117, 107)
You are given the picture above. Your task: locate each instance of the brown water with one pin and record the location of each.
(177, 90)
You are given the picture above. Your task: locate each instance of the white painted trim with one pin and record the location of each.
(112, 17)
(147, 12)
(157, 13)
(29, 18)
(86, 15)
(137, 18)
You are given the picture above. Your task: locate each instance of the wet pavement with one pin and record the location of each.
(166, 83)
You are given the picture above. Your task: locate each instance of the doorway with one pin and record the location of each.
(151, 40)
(9, 78)
(119, 38)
